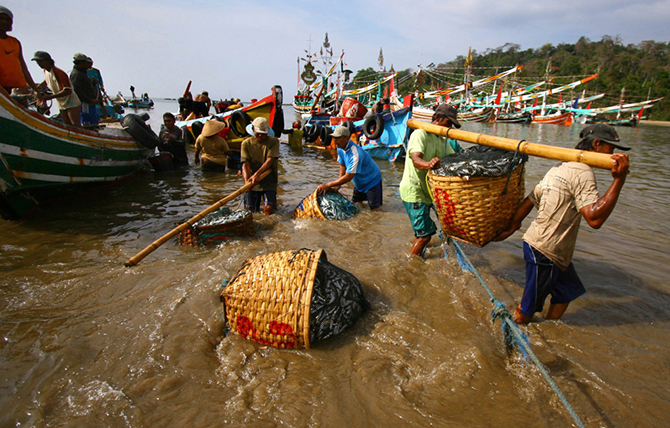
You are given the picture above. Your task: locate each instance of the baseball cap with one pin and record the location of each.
(341, 131)
(602, 132)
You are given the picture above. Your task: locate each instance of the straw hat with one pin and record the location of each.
(212, 127)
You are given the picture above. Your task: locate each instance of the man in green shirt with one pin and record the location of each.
(259, 154)
(423, 153)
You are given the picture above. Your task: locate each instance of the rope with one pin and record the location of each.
(512, 334)
(516, 153)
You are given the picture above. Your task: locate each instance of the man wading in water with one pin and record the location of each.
(567, 193)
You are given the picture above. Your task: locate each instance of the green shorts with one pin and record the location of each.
(419, 215)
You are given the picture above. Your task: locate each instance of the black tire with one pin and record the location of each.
(278, 123)
(312, 133)
(238, 122)
(196, 128)
(373, 127)
(350, 126)
(326, 135)
(140, 131)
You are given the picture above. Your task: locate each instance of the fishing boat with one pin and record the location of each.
(42, 159)
(141, 103)
(384, 135)
(558, 117)
(269, 107)
(484, 114)
(515, 117)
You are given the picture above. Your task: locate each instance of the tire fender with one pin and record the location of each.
(373, 127)
(140, 131)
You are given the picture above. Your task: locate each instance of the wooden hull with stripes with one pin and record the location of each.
(42, 160)
(554, 119)
(425, 114)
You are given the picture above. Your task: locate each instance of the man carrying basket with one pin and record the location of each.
(567, 193)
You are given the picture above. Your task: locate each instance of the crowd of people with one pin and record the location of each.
(566, 194)
(77, 95)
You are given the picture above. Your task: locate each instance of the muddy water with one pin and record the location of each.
(88, 342)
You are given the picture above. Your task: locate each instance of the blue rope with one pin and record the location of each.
(513, 336)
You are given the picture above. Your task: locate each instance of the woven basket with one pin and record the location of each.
(269, 299)
(309, 208)
(476, 210)
(201, 234)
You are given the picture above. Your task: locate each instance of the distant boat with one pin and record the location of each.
(556, 118)
(42, 159)
(141, 103)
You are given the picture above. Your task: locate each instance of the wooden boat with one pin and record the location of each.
(42, 160)
(140, 103)
(269, 107)
(425, 114)
(384, 136)
(557, 118)
(518, 117)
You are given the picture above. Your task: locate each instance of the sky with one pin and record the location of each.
(241, 49)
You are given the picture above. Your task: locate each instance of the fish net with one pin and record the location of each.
(291, 299)
(328, 206)
(217, 227)
(476, 192)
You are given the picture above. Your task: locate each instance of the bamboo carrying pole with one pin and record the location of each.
(594, 159)
(133, 261)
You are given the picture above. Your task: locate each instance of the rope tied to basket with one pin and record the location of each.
(523, 165)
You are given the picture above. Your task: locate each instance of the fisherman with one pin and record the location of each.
(172, 140)
(96, 78)
(85, 90)
(61, 89)
(201, 104)
(356, 165)
(260, 153)
(423, 153)
(295, 135)
(567, 193)
(213, 147)
(13, 69)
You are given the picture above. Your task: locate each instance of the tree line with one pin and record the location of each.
(642, 69)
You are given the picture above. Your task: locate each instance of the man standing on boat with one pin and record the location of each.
(356, 165)
(85, 90)
(260, 153)
(423, 153)
(567, 193)
(13, 70)
(61, 89)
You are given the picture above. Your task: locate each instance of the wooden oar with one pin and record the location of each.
(188, 88)
(596, 160)
(163, 239)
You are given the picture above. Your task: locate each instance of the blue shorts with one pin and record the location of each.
(373, 196)
(419, 215)
(253, 199)
(543, 278)
(89, 114)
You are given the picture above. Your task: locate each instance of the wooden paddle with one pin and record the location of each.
(596, 160)
(188, 88)
(133, 261)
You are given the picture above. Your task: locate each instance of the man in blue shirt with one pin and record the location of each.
(357, 165)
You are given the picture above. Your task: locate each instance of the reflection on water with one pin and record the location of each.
(87, 342)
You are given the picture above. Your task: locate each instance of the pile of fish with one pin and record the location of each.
(480, 161)
(336, 207)
(337, 301)
(221, 216)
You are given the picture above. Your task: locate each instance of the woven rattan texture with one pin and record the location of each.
(476, 210)
(269, 299)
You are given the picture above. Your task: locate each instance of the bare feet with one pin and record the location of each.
(419, 246)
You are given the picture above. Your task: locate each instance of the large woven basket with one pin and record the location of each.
(309, 208)
(477, 209)
(209, 235)
(269, 299)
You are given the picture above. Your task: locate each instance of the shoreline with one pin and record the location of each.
(654, 122)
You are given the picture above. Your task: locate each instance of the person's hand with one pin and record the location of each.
(620, 165)
(197, 160)
(322, 188)
(434, 163)
(254, 179)
(507, 232)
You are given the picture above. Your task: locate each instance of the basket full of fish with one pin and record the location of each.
(327, 206)
(217, 227)
(476, 192)
(291, 299)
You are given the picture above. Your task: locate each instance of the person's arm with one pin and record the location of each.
(255, 179)
(24, 68)
(343, 178)
(519, 215)
(419, 162)
(246, 172)
(596, 213)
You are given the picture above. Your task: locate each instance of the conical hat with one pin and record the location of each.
(212, 127)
